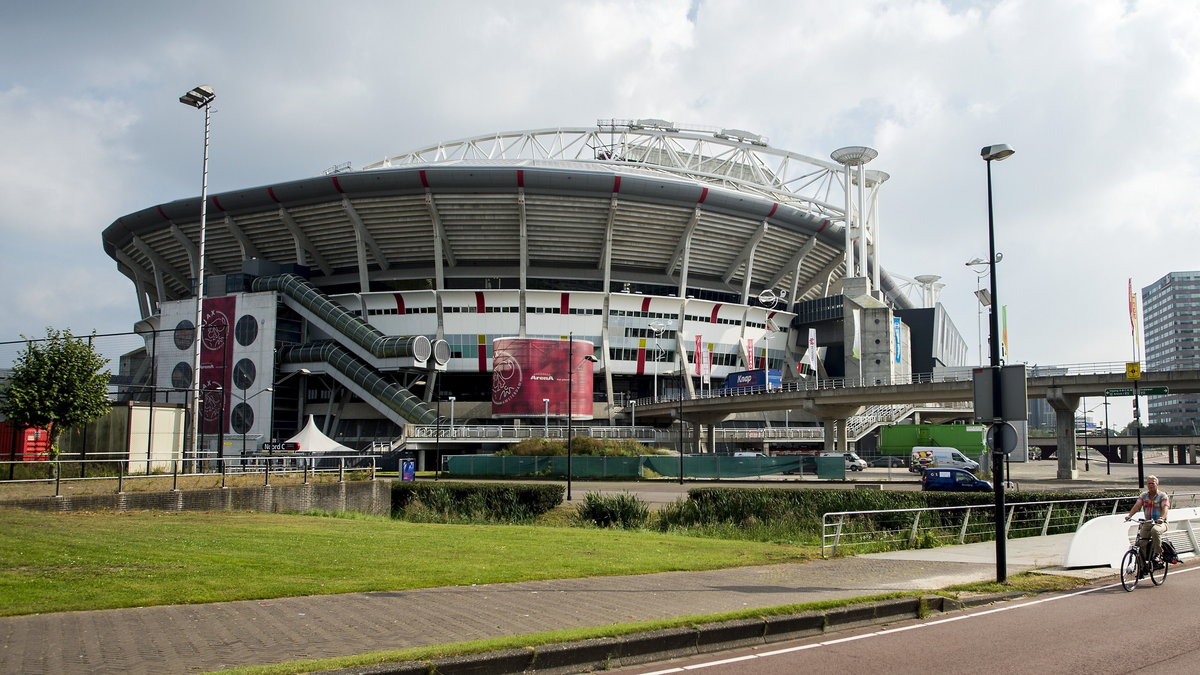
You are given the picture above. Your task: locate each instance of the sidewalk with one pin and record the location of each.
(199, 638)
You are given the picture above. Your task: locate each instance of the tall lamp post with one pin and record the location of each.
(985, 299)
(199, 97)
(572, 368)
(996, 153)
(545, 418)
(452, 399)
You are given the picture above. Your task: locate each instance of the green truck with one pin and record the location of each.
(900, 439)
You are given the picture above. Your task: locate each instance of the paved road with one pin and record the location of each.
(1099, 630)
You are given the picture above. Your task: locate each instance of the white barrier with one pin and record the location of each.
(1103, 540)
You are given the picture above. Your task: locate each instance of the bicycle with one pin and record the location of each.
(1133, 563)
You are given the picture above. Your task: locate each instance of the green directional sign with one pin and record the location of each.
(1144, 391)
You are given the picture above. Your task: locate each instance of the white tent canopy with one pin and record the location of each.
(310, 439)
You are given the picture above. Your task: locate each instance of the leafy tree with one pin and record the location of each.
(57, 383)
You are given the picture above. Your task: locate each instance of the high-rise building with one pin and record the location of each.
(1171, 317)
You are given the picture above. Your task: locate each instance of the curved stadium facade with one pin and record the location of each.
(366, 297)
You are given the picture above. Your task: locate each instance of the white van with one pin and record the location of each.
(928, 457)
(853, 461)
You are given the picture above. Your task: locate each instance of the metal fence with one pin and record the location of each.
(58, 471)
(883, 530)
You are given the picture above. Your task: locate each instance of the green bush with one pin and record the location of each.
(535, 447)
(624, 510)
(582, 446)
(449, 501)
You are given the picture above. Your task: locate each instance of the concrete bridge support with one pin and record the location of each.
(1064, 406)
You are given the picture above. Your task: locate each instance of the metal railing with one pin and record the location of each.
(890, 529)
(122, 469)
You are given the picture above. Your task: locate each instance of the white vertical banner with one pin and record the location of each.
(750, 353)
(697, 353)
(896, 337)
(812, 349)
(856, 350)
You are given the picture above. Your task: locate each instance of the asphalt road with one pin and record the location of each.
(1099, 630)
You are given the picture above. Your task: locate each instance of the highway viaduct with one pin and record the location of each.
(833, 401)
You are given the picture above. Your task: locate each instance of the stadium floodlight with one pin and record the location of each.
(199, 97)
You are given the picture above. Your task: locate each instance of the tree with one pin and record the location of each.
(57, 383)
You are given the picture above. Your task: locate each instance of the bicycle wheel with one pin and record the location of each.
(1129, 570)
(1158, 576)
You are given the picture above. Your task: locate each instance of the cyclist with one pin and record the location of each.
(1154, 506)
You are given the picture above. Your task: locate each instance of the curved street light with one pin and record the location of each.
(990, 154)
(572, 368)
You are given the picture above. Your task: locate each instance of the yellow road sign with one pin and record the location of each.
(1133, 370)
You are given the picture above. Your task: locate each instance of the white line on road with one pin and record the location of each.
(889, 631)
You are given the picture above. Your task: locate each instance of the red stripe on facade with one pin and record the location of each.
(703, 196)
(482, 358)
(337, 185)
(564, 303)
(616, 184)
(641, 360)
(271, 194)
(399, 303)
(520, 178)
(774, 208)
(824, 224)
(645, 304)
(716, 310)
(424, 179)
(162, 213)
(480, 305)
(217, 203)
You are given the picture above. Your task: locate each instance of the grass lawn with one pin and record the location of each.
(53, 562)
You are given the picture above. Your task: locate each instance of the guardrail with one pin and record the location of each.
(122, 469)
(889, 529)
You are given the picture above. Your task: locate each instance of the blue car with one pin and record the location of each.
(953, 480)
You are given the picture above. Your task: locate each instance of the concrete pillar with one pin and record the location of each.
(712, 438)
(830, 434)
(843, 441)
(1064, 406)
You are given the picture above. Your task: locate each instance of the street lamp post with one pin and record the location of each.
(452, 399)
(572, 367)
(200, 97)
(996, 153)
(546, 418)
(983, 296)
(1107, 442)
(246, 425)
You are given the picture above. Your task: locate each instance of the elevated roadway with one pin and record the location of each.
(835, 400)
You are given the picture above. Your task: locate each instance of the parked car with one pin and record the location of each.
(888, 460)
(953, 480)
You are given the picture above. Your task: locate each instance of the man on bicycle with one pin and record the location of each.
(1153, 505)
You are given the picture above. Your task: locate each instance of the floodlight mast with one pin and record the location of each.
(199, 97)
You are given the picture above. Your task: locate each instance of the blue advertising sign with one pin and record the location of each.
(408, 470)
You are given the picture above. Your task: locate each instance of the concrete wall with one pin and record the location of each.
(372, 497)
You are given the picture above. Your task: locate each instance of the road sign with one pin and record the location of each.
(1133, 370)
(1144, 391)
(1002, 437)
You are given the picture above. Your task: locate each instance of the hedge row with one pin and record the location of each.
(497, 502)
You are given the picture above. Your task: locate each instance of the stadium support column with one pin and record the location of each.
(854, 156)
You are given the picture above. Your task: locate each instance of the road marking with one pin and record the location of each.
(889, 631)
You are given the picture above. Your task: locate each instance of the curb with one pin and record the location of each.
(640, 648)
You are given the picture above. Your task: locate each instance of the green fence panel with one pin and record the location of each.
(705, 466)
(831, 467)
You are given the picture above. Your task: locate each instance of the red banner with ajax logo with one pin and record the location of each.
(529, 377)
(216, 356)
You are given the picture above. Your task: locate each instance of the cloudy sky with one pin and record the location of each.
(1100, 99)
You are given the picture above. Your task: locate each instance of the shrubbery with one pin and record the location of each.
(624, 510)
(449, 501)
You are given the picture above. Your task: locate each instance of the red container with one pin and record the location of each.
(23, 444)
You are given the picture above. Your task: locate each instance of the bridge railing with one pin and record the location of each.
(866, 531)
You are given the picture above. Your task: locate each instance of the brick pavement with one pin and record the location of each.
(200, 638)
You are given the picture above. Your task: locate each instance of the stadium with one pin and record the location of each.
(518, 278)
